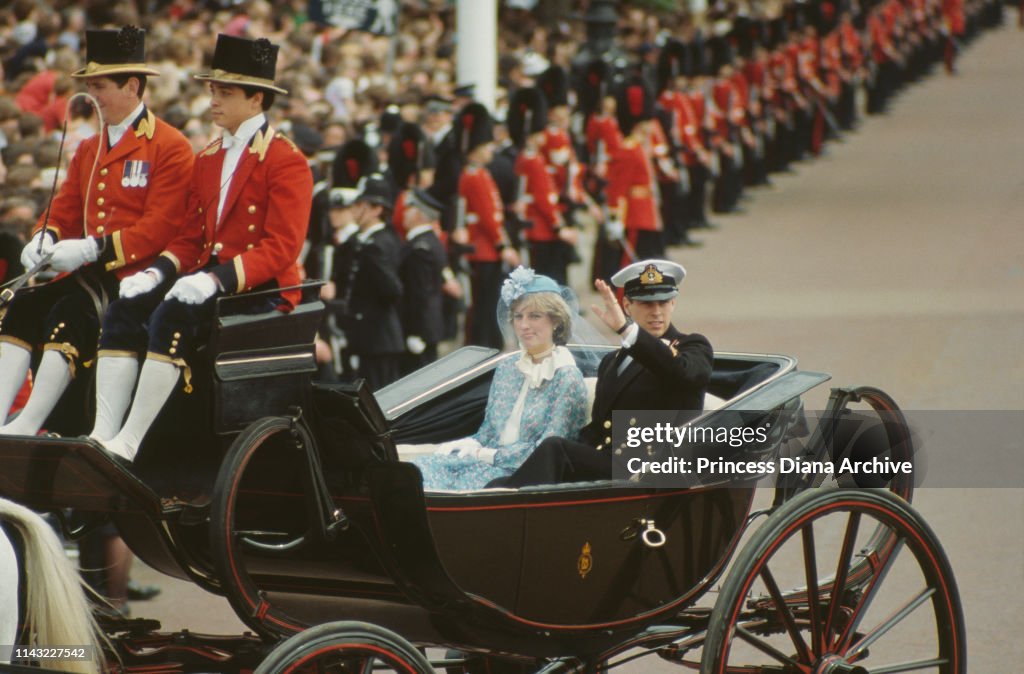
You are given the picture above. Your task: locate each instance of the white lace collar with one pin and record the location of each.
(537, 373)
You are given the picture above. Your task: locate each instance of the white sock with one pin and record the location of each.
(115, 380)
(52, 379)
(14, 364)
(156, 382)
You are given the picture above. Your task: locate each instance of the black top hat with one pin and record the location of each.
(593, 86)
(527, 114)
(353, 161)
(243, 62)
(375, 189)
(635, 104)
(555, 85)
(115, 52)
(425, 202)
(408, 153)
(473, 127)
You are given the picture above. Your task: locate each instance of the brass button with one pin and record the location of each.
(101, 215)
(172, 350)
(632, 422)
(99, 230)
(599, 447)
(218, 247)
(60, 325)
(200, 209)
(607, 423)
(174, 342)
(618, 452)
(252, 228)
(134, 256)
(101, 187)
(249, 247)
(177, 335)
(608, 441)
(100, 201)
(252, 209)
(104, 171)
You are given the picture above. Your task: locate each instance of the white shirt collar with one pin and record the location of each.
(246, 130)
(365, 235)
(417, 230)
(116, 131)
(537, 373)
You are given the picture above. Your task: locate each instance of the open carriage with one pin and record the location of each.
(294, 505)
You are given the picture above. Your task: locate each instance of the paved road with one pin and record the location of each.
(897, 260)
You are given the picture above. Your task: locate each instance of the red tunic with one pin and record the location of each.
(264, 220)
(540, 196)
(133, 202)
(485, 218)
(562, 163)
(630, 187)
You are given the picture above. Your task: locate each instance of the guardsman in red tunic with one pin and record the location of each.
(117, 209)
(411, 165)
(631, 183)
(538, 198)
(602, 138)
(557, 147)
(246, 216)
(481, 224)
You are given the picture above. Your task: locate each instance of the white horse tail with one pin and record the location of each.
(57, 611)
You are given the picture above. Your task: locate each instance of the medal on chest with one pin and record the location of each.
(136, 173)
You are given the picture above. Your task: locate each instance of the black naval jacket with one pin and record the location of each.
(421, 269)
(371, 321)
(670, 373)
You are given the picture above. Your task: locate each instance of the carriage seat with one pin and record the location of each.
(271, 352)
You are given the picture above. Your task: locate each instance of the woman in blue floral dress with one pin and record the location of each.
(538, 394)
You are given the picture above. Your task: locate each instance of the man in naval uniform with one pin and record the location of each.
(117, 209)
(246, 216)
(657, 368)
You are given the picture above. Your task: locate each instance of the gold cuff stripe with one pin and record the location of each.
(118, 260)
(239, 272)
(174, 260)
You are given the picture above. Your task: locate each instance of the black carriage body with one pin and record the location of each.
(542, 571)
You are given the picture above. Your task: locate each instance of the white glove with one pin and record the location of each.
(193, 289)
(140, 283)
(415, 345)
(70, 254)
(31, 253)
(615, 229)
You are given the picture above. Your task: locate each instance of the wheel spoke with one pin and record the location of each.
(911, 666)
(811, 571)
(768, 649)
(842, 569)
(880, 570)
(787, 616)
(890, 622)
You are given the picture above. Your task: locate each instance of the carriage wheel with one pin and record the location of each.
(345, 648)
(257, 504)
(902, 616)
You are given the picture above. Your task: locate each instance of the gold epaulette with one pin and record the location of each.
(287, 140)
